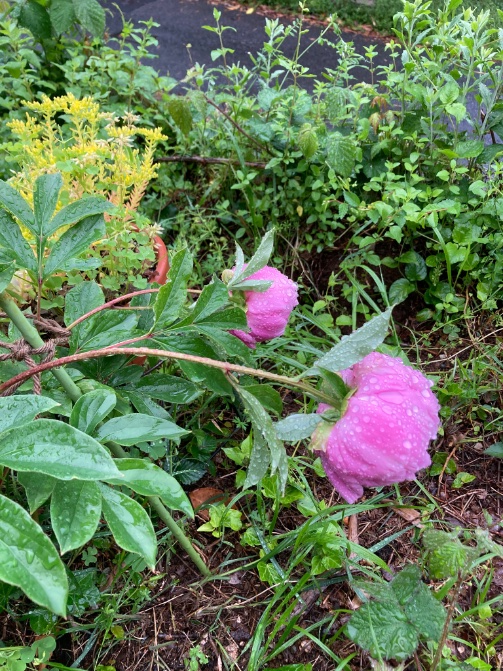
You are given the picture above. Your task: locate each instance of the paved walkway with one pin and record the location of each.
(181, 23)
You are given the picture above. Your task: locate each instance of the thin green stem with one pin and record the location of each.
(165, 516)
(166, 354)
(32, 337)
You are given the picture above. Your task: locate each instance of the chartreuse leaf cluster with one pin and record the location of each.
(398, 617)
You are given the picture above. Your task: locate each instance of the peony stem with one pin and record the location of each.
(166, 354)
(168, 520)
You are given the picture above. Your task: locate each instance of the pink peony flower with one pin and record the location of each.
(383, 435)
(267, 312)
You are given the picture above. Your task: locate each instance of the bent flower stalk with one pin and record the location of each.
(383, 435)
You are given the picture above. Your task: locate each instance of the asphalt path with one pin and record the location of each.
(180, 24)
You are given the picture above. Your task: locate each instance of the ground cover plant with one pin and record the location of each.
(159, 502)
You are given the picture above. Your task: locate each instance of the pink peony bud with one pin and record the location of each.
(267, 312)
(383, 435)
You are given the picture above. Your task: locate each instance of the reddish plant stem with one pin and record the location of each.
(164, 354)
(110, 304)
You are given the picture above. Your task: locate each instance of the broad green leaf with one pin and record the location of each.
(12, 201)
(268, 397)
(91, 409)
(129, 523)
(341, 154)
(57, 449)
(355, 347)
(172, 295)
(232, 318)
(90, 15)
(137, 428)
(145, 405)
(213, 297)
(259, 461)
(495, 450)
(179, 109)
(45, 199)
(29, 560)
(399, 290)
(62, 15)
(103, 329)
(308, 141)
(74, 241)
(19, 410)
(447, 556)
(258, 260)
(382, 628)
(469, 148)
(15, 245)
(335, 386)
(75, 513)
(78, 210)
(262, 425)
(6, 273)
(38, 488)
(336, 102)
(168, 388)
(35, 17)
(82, 299)
(146, 478)
(297, 427)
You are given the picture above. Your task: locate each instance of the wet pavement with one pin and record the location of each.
(181, 24)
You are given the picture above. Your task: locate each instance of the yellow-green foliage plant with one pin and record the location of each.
(97, 153)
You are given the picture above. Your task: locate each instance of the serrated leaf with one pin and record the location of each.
(469, 148)
(138, 428)
(146, 478)
(447, 556)
(29, 560)
(308, 141)
(82, 299)
(75, 513)
(297, 427)
(15, 245)
(179, 108)
(335, 100)
(382, 628)
(57, 449)
(341, 154)
(74, 241)
(90, 15)
(355, 347)
(172, 295)
(91, 409)
(19, 410)
(38, 488)
(62, 15)
(129, 523)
